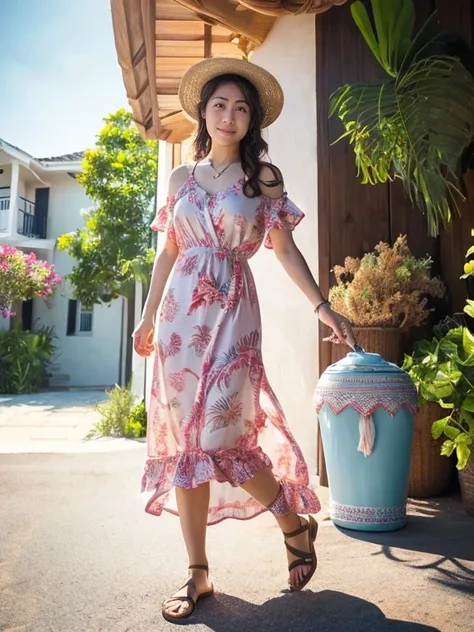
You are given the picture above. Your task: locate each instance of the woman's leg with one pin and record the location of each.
(193, 507)
(265, 489)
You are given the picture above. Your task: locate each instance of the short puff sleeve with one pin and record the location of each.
(279, 213)
(163, 221)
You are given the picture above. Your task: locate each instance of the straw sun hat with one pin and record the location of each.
(271, 94)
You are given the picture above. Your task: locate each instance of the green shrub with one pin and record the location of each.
(136, 423)
(24, 360)
(121, 416)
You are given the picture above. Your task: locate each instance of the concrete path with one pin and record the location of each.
(53, 422)
(78, 554)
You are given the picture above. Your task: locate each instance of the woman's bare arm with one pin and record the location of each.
(298, 270)
(166, 257)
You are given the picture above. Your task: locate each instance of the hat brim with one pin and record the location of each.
(193, 81)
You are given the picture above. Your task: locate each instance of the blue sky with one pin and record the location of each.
(59, 76)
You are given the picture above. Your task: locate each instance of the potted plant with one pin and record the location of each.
(430, 472)
(443, 372)
(384, 294)
(416, 122)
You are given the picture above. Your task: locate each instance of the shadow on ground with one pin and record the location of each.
(440, 528)
(54, 401)
(326, 611)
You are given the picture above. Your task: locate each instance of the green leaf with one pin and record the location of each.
(438, 390)
(449, 348)
(361, 18)
(448, 448)
(466, 419)
(400, 33)
(468, 404)
(438, 427)
(471, 249)
(407, 362)
(468, 341)
(445, 404)
(463, 437)
(448, 372)
(451, 433)
(469, 308)
(383, 18)
(463, 454)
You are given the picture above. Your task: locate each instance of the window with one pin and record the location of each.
(79, 319)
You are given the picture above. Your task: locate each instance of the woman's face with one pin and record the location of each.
(227, 115)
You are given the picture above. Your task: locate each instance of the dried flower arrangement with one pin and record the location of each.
(386, 288)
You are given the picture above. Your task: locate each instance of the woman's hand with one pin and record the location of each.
(340, 325)
(143, 337)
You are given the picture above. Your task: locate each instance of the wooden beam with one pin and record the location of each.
(148, 11)
(134, 33)
(207, 41)
(251, 25)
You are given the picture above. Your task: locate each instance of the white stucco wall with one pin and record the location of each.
(22, 186)
(89, 359)
(6, 176)
(290, 328)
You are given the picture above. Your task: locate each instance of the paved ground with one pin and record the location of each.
(78, 554)
(53, 422)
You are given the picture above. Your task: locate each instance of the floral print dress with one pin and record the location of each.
(213, 415)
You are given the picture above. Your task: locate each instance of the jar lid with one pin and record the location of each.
(360, 360)
(365, 381)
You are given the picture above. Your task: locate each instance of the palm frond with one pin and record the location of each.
(415, 127)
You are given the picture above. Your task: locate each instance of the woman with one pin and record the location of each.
(212, 407)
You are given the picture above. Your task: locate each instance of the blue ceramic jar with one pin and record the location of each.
(366, 408)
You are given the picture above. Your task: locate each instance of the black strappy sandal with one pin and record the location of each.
(192, 601)
(305, 558)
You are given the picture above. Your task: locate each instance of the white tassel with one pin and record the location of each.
(366, 434)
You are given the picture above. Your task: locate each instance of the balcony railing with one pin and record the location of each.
(29, 224)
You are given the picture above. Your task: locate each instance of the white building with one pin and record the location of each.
(40, 200)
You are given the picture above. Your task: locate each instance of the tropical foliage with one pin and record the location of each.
(443, 372)
(417, 122)
(25, 358)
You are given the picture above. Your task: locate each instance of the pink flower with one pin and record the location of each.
(7, 250)
(23, 276)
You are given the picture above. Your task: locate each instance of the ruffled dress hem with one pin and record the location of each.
(234, 466)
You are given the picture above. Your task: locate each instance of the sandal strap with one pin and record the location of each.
(304, 527)
(199, 567)
(303, 555)
(190, 600)
(297, 563)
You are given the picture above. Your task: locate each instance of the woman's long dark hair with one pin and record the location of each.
(252, 147)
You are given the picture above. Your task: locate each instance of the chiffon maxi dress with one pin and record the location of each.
(213, 416)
